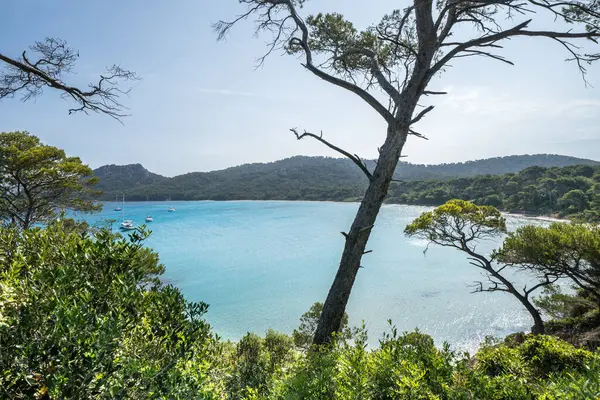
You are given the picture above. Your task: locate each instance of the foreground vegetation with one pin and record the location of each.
(84, 316)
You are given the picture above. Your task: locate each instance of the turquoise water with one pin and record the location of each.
(262, 264)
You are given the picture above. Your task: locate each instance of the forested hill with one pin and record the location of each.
(297, 178)
(488, 166)
(119, 178)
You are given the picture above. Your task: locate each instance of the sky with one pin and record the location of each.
(202, 105)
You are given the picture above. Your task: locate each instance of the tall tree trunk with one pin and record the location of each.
(357, 237)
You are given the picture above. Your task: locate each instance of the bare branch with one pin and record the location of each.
(55, 60)
(474, 43)
(495, 287)
(421, 115)
(433, 93)
(579, 58)
(548, 280)
(470, 53)
(417, 134)
(355, 159)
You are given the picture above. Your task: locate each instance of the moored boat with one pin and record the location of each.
(127, 225)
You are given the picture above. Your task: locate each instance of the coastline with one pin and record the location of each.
(541, 217)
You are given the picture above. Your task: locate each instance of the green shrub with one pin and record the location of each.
(535, 358)
(308, 325)
(547, 354)
(86, 317)
(500, 360)
(575, 386)
(410, 366)
(258, 363)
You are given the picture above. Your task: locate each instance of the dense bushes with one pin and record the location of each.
(409, 366)
(85, 317)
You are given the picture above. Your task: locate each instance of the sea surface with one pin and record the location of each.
(261, 264)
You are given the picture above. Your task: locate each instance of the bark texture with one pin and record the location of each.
(358, 236)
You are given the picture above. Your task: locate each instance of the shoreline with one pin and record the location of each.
(546, 218)
(540, 217)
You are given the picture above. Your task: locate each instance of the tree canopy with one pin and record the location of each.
(38, 181)
(566, 250)
(457, 223)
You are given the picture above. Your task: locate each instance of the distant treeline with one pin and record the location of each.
(572, 191)
(297, 178)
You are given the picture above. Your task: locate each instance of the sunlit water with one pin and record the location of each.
(262, 264)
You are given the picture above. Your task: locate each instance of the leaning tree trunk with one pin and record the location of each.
(357, 237)
(538, 322)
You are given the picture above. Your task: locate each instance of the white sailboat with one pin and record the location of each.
(171, 208)
(127, 224)
(148, 217)
(117, 208)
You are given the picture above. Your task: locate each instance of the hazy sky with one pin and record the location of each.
(201, 105)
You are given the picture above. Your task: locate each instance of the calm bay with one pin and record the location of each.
(261, 264)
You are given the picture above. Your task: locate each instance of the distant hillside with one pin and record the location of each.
(297, 178)
(488, 166)
(119, 178)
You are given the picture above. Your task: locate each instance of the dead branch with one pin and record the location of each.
(417, 134)
(355, 159)
(471, 53)
(494, 287)
(421, 115)
(433, 93)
